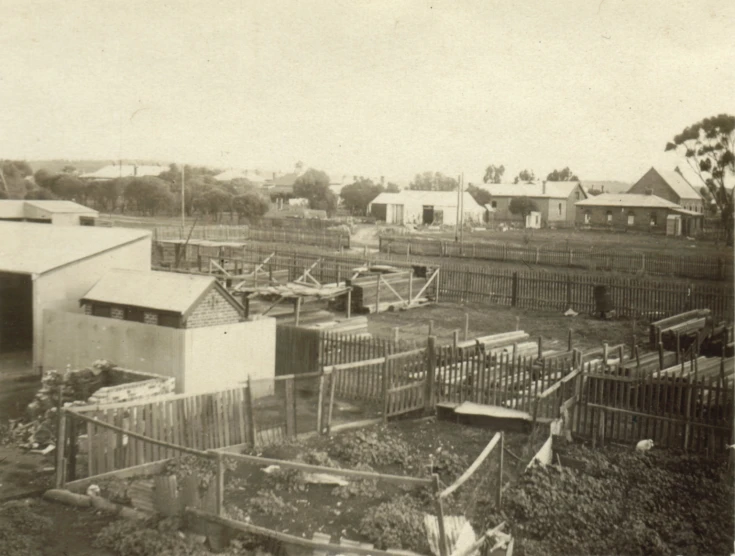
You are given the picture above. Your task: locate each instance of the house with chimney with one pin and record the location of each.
(555, 200)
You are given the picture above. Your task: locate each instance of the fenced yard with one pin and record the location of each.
(324, 238)
(696, 266)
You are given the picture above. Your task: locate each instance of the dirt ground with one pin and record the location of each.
(552, 326)
(69, 532)
(400, 448)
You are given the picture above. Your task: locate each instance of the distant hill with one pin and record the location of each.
(606, 185)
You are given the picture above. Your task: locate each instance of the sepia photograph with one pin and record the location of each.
(367, 278)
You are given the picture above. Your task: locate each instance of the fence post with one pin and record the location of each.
(251, 413)
(332, 386)
(443, 548)
(499, 498)
(385, 389)
(430, 372)
(288, 398)
(220, 488)
(569, 342)
(514, 289)
(466, 326)
(72, 465)
(377, 295)
(540, 347)
(661, 356)
(60, 444)
(320, 402)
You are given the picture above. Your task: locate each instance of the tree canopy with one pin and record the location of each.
(526, 176)
(562, 175)
(148, 195)
(357, 196)
(12, 177)
(522, 206)
(494, 174)
(250, 205)
(708, 146)
(433, 181)
(313, 185)
(482, 196)
(392, 187)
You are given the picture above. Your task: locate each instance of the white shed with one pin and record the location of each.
(52, 267)
(425, 207)
(63, 213)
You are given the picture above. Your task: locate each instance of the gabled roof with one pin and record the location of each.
(678, 183)
(627, 200)
(28, 248)
(284, 180)
(163, 291)
(552, 189)
(430, 198)
(64, 207)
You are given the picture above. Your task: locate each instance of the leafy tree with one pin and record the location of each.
(149, 195)
(392, 187)
(526, 176)
(482, 196)
(105, 194)
(435, 181)
(66, 186)
(357, 196)
(562, 175)
(12, 177)
(69, 169)
(494, 174)
(709, 148)
(250, 205)
(43, 177)
(522, 206)
(217, 201)
(40, 194)
(314, 186)
(240, 185)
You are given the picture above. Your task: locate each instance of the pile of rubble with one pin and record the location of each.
(71, 387)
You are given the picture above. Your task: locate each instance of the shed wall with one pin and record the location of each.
(62, 288)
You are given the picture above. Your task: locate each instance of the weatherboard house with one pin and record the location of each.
(425, 207)
(672, 186)
(555, 200)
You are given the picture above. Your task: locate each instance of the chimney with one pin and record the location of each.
(602, 189)
(649, 191)
(135, 169)
(274, 176)
(382, 180)
(543, 187)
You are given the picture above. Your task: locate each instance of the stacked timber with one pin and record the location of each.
(354, 325)
(382, 291)
(702, 368)
(680, 331)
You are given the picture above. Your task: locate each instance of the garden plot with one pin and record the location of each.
(619, 501)
(382, 513)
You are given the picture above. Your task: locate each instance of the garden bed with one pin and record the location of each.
(614, 500)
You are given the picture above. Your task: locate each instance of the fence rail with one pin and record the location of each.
(689, 266)
(324, 238)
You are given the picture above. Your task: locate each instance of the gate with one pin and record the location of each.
(407, 384)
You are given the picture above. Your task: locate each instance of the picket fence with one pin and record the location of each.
(685, 266)
(631, 297)
(694, 413)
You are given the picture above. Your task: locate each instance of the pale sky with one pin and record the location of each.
(384, 87)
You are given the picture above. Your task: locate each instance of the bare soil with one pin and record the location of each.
(552, 326)
(310, 508)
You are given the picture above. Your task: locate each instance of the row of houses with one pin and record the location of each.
(661, 201)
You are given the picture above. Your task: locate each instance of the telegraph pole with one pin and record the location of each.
(459, 212)
(183, 214)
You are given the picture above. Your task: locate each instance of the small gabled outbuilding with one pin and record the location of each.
(671, 186)
(163, 299)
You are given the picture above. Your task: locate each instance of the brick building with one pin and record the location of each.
(669, 185)
(646, 213)
(162, 299)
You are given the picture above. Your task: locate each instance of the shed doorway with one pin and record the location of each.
(428, 215)
(16, 312)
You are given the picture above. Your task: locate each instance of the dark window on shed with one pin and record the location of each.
(135, 315)
(654, 219)
(494, 204)
(609, 217)
(101, 310)
(172, 321)
(86, 221)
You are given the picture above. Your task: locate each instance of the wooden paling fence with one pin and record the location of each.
(330, 239)
(686, 266)
(679, 410)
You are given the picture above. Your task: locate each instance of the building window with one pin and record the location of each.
(172, 321)
(654, 221)
(609, 217)
(86, 221)
(559, 209)
(494, 204)
(135, 315)
(587, 217)
(576, 195)
(101, 310)
(631, 219)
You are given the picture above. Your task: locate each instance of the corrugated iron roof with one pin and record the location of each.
(679, 184)
(429, 198)
(163, 291)
(627, 200)
(62, 207)
(28, 248)
(124, 171)
(552, 189)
